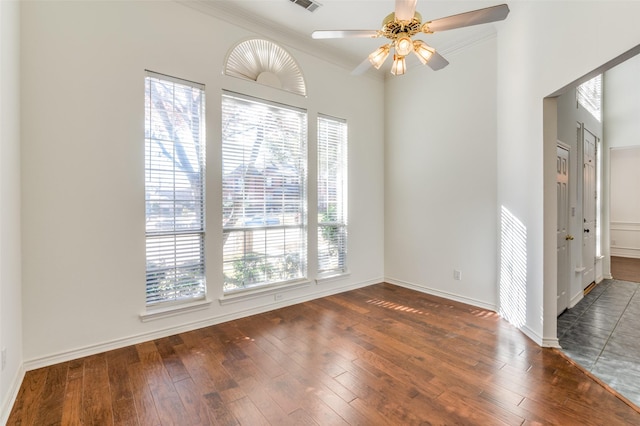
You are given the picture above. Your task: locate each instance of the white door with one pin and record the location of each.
(563, 236)
(589, 199)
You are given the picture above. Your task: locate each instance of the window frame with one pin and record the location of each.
(341, 189)
(168, 185)
(301, 227)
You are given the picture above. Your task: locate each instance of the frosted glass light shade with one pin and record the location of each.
(404, 45)
(422, 51)
(399, 65)
(378, 57)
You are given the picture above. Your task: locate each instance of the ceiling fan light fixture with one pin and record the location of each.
(402, 24)
(378, 57)
(423, 51)
(399, 65)
(404, 45)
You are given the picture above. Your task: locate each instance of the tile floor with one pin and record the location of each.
(602, 333)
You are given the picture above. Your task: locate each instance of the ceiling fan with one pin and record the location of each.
(404, 23)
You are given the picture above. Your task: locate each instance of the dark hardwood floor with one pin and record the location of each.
(373, 356)
(625, 269)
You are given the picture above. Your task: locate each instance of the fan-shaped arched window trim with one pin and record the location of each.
(267, 63)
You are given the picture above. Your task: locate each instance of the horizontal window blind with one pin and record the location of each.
(264, 197)
(174, 189)
(332, 195)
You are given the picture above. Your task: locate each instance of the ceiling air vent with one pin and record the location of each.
(310, 5)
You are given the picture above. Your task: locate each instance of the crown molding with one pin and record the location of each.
(227, 12)
(234, 15)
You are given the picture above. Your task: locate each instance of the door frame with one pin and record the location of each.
(566, 269)
(582, 130)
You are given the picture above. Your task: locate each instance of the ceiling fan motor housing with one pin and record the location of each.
(393, 28)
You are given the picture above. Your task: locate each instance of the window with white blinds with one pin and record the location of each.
(589, 96)
(174, 189)
(332, 195)
(263, 184)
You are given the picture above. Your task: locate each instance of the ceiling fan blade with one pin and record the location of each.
(345, 34)
(437, 62)
(405, 9)
(362, 68)
(475, 17)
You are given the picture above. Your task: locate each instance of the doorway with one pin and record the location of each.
(578, 135)
(625, 213)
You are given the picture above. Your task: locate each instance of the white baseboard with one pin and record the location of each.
(537, 339)
(631, 252)
(11, 396)
(76, 353)
(575, 299)
(444, 294)
(548, 342)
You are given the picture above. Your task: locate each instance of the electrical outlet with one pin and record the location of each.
(457, 275)
(4, 358)
(277, 297)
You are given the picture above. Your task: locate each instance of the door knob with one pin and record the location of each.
(568, 237)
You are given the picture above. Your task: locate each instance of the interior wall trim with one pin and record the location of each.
(80, 352)
(633, 252)
(625, 226)
(12, 394)
(444, 294)
(535, 337)
(576, 298)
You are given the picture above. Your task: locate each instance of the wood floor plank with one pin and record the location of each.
(120, 387)
(25, 408)
(261, 397)
(246, 412)
(197, 363)
(53, 393)
(625, 268)
(193, 402)
(219, 411)
(167, 401)
(172, 362)
(379, 355)
(96, 398)
(477, 410)
(72, 413)
(142, 398)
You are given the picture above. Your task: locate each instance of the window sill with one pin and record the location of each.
(169, 311)
(332, 276)
(242, 295)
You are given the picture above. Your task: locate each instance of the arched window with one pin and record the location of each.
(266, 63)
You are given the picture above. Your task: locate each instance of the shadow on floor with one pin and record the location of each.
(602, 333)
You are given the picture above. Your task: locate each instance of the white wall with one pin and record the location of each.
(440, 173)
(622, 104)
(625, 201)
(10, 280)
(622, 136)
(82, 168)
(543, 46)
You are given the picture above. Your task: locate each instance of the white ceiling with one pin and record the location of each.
(284, 18)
